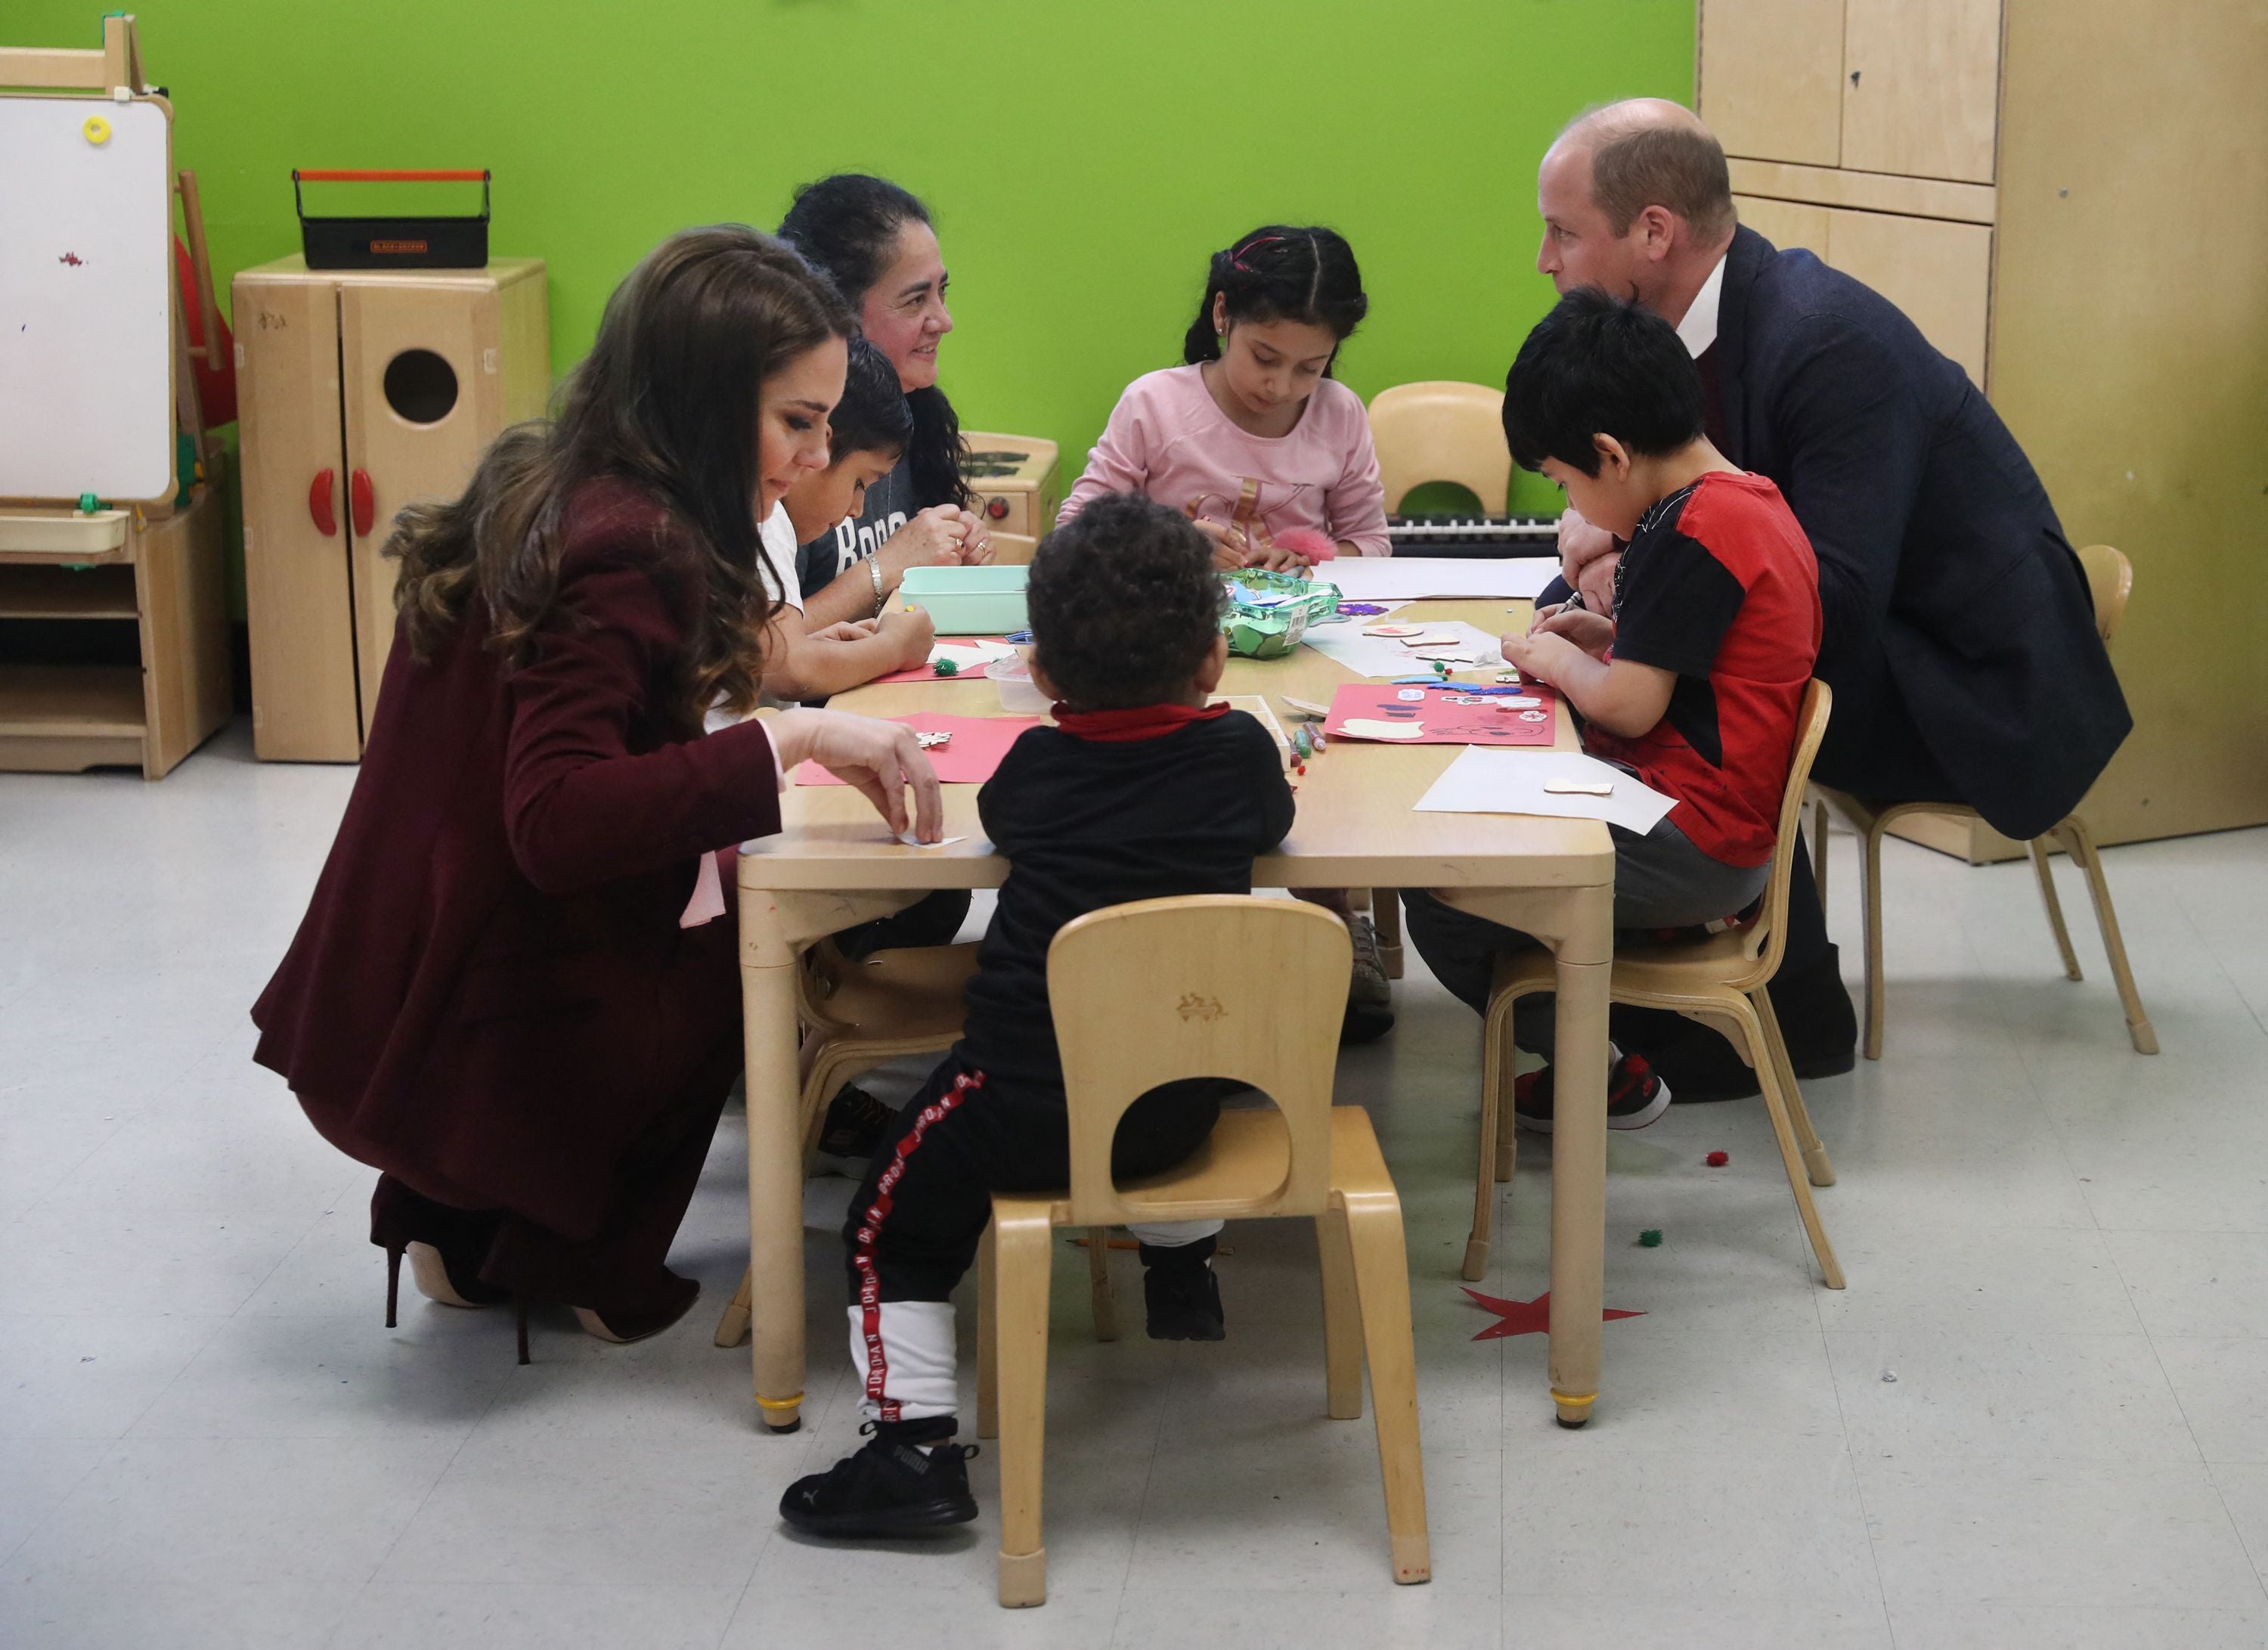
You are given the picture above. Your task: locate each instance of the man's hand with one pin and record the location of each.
(1593, 632)
(1587, 557)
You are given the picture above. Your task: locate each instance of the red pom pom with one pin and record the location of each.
(1305, 541)
(1717, 1159)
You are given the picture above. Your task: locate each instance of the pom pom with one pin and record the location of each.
(946, 667)
(1307, 544)
(1650, 1238)
(1717, 1159)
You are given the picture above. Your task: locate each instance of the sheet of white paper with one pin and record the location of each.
(912, 840)
(1485, 781)
(968, 655)
(1412, 577)
(1385, 657)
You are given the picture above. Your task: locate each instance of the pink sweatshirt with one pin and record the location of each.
(1167, 440)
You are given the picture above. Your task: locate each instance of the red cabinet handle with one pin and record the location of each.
(361, 501)
(319, 502)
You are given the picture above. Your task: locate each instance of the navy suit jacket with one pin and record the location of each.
(1959, 636)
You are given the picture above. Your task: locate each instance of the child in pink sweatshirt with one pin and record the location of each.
(1253, 438)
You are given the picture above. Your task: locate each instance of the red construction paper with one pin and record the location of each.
(1528, 1317)
(1444, 723)
(926, 672)
(979, 742)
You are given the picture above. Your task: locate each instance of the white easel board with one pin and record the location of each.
(86, 299)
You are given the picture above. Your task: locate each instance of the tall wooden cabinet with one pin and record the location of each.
(2069, 197)
(360, 392)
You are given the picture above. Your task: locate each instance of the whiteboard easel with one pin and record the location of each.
(87, 294)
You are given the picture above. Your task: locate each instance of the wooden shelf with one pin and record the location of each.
(71, 701)
(61, 593)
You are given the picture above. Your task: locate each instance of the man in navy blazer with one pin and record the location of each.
(1960, 635)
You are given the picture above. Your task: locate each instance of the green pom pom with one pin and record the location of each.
(1650, 1238)
(946, 667)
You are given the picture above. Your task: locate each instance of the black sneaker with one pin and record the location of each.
(888, 1488)
(855, 1126)
(1183, 1303)
(1370, 994)
(1636, 1095)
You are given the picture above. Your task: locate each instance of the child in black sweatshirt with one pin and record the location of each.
(1140, 790)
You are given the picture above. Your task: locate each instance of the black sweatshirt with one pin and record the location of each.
(1160, 806)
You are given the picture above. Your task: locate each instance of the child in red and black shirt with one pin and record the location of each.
(1143, 789)
(1693, 683)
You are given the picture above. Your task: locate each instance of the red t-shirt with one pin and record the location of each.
(1720, 586)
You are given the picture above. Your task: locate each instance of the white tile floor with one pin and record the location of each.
(2059, 1249)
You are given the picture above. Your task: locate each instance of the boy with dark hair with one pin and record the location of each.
(1140, 790)
(1692, 684)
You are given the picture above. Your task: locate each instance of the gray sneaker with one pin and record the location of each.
(1370, 995)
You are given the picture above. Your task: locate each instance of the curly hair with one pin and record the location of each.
(667, 399)
(1125, 604)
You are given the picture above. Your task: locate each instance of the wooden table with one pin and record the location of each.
(834, 864)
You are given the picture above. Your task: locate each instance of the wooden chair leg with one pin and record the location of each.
(988, 1336)
(1768, 1077)
(1381, 1266)
(732, 1328)
(1098, 1273)
(1342, 1318)
(1022, 1254)
(1498, 1142)
(1386, 916)
(1814, 1152)
(1819, 849)
(2039, 847)
(1870, 892)
(2079, 842)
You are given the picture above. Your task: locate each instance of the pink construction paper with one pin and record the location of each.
(979, 742)
(1444, 723)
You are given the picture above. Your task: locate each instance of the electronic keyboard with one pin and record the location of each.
(1474, 535)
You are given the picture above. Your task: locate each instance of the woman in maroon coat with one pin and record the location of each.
(493, 998)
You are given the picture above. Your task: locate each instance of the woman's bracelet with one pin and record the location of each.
(874, 571)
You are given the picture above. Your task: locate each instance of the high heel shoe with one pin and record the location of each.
(621, 1325)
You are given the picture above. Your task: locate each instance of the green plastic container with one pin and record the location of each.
(1272, 625)
(968, 600)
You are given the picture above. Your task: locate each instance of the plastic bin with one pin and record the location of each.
(968, 600)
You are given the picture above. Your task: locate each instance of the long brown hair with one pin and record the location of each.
(667, 399)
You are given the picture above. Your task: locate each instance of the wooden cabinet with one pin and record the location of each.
(1994, 160)
(360, 393)
(1920, 82)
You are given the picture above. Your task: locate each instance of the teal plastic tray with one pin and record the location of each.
(968, 600)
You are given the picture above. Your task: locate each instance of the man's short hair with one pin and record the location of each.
(1680, 167)
(1600, 365)
(1125, 604)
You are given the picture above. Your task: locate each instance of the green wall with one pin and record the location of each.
(1083, 157)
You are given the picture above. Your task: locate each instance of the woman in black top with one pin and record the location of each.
(873, 240)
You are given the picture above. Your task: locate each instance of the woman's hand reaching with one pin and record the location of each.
(882, 760)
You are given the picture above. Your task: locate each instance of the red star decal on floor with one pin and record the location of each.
(1528, 1317)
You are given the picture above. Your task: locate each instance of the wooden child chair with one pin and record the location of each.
(2110, 578)
(1146, 994)
(1718, 982)
(856, 1016)
(1437, 431)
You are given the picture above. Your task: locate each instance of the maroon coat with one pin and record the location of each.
(490, 996)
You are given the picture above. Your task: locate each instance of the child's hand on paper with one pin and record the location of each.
(1593, 632)
(1230, 549)
(1545, 657)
